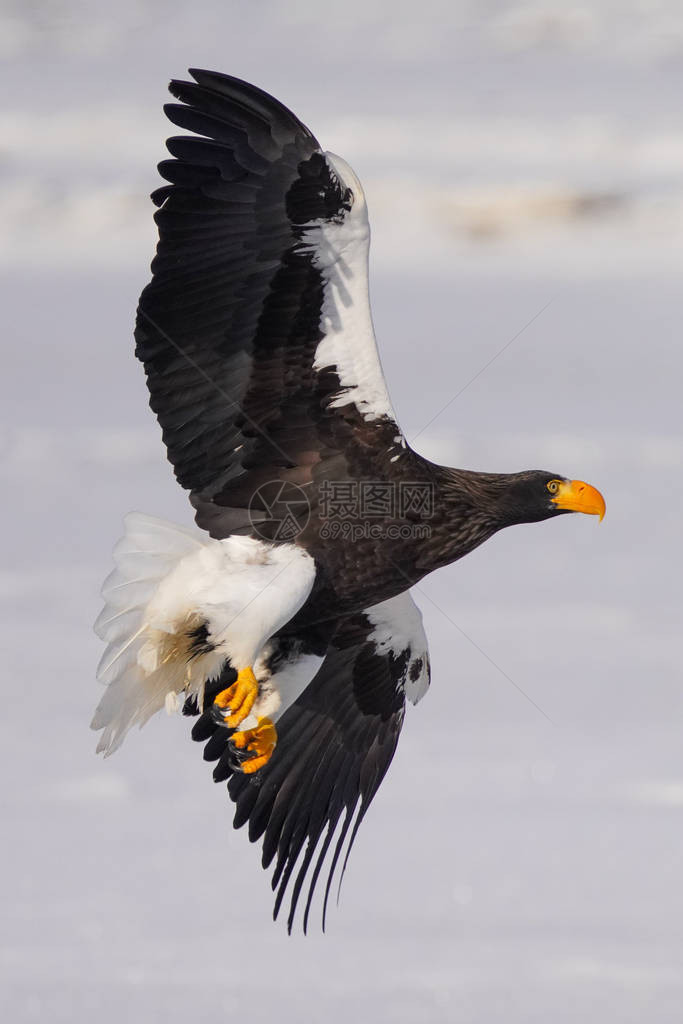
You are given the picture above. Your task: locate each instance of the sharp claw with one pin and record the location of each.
(220, 716)
(238, 756)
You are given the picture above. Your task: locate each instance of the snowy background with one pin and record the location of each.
(523, 164)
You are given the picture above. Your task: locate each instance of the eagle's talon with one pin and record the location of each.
(234, 704)
(252, 749)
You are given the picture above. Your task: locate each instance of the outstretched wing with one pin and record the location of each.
(255, 331)
(335, 744)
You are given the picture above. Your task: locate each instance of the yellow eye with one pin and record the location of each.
(553, 486)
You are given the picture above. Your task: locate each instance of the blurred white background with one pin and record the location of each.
(523, 164)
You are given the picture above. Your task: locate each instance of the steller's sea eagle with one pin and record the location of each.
(285, 621)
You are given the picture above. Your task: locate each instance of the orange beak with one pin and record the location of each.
(576, 496)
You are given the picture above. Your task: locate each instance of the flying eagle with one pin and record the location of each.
(285, 621)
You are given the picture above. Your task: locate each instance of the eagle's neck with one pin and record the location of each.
(468, 509)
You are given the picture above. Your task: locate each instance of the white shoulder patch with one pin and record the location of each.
(340, 249)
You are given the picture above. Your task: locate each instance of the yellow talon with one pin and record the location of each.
(239, 698)
(260, 742)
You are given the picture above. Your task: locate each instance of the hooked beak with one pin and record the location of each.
(576, 496)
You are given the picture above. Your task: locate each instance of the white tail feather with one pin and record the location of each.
(149, 550)
(172, 585)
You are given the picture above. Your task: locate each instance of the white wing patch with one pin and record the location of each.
(340, 251)
(397, 629)
(178, 607)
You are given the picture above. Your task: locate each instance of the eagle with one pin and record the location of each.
(284, 622)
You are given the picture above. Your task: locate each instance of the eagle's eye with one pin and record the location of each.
(553, 486)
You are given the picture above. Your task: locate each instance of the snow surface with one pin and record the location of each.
(518, 864)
